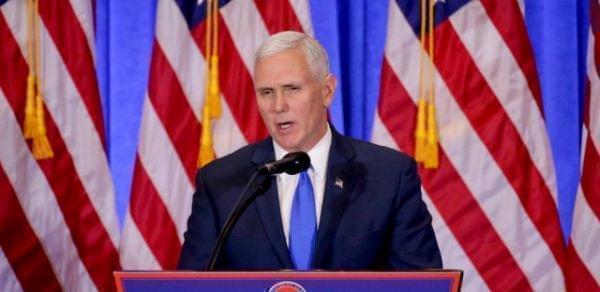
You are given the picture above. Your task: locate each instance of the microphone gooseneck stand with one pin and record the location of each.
(239, 208)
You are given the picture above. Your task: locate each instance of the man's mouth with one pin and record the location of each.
(284, 125)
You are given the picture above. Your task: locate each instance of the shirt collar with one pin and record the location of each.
(319, 154)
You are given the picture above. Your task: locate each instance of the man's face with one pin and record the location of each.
(292, 102)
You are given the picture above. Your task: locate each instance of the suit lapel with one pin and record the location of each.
(268, 207)
(341, 177)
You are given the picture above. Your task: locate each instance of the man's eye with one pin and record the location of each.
(293, 89)
(266, 92)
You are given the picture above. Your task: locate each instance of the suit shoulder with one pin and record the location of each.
(370, 149)
(380, 158)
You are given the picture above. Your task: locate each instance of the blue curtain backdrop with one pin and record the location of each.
(354, 33)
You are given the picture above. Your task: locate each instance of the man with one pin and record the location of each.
(358, 206)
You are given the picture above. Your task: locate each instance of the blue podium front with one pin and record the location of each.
(443, 280)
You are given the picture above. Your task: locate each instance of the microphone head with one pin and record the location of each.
(298, 162)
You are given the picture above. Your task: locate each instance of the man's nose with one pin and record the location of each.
(280, 103)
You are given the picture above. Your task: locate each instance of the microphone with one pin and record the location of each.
(291, 163)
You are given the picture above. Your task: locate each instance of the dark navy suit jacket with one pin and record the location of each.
(373, 220)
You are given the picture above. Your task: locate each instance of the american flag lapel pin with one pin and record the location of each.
(339, 183)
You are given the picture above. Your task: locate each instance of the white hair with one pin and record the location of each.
(315, 54)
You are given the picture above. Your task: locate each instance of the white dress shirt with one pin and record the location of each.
(286, 184)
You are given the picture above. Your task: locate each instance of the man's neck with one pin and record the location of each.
(319, 153)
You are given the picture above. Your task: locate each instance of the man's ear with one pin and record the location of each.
(329, 89)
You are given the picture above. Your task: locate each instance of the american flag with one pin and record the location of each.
(583, 252)
(162, 188)
(493, 197)
(58, 224)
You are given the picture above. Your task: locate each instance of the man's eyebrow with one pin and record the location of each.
(285, 85)
(263, 88)
(292, 84)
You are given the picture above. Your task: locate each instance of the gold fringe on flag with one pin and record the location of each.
(34, 126)
(420, 131)
(206, 154)
(431, 152)
(41, 145)
(29, 125)
(426, 136)
(212, 93)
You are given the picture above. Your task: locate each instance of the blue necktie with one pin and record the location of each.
(303, 223)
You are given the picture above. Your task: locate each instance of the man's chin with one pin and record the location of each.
(287, 146)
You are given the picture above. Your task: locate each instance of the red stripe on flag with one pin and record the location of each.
(70, 40)
(20, 244)
(579, 277)
(236, 83)
(595, 21)
(595, 27)
(452, 198)
(494, 127)
(590, 176)
(89, 235)
(278, 15)
(586, 102)
(176, 115)
(507, 17)
(11, 65)
(91, 238)
(153, 220)
(597, 53)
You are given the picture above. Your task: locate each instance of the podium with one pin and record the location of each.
(439, 280)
